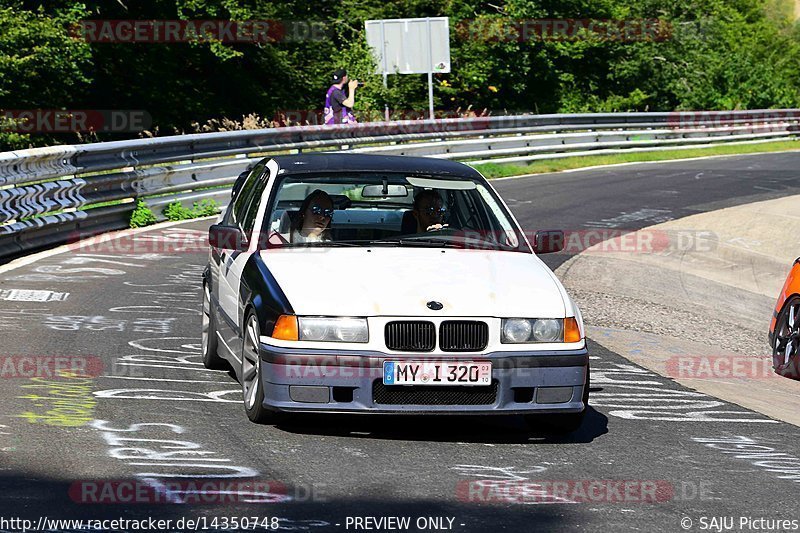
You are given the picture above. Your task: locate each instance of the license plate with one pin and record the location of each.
(436, 373)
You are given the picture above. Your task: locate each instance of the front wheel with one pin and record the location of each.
(252, 385)
(561, 423)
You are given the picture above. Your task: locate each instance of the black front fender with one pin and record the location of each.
(260, 291)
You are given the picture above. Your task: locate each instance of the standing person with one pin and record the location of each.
(338, 105)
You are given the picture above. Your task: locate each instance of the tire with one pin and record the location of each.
(250, 375)
(561, 424)
(786, 340)
(210, 343)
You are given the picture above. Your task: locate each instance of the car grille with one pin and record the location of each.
(463, 336)
(433, 395)
(410, 336)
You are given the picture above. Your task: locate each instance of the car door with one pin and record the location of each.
(244, 212)
(217, 255)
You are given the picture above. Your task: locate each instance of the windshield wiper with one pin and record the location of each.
(431, 242)
(467, 243)
(425, 242)
(324, 244)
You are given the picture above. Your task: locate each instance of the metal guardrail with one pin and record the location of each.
(45, 192)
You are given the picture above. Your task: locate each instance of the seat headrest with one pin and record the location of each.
(288, 221)
(409, 223)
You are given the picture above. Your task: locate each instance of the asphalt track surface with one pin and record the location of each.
(151, 413)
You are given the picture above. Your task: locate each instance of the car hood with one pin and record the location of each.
(400, 281)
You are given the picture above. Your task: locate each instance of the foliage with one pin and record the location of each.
(142, 216)
(710, 54)
(176, 211)
(41, 65)
(203, 208)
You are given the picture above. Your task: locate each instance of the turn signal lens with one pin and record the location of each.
(285, 328)
(571, 331)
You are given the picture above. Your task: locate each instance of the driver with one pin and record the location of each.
(429, 211)
(315, 215)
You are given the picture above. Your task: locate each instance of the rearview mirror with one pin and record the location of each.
(548, 241)
(377, 191)
(227, 238)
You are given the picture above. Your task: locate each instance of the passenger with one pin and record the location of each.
(315, 215)
(429, 211)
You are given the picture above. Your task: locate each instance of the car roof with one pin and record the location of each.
(339, 162)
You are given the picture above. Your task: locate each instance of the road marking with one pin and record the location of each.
(128, 444)
(169, 380)
(102, 323)
(33, 258)
(170, 395)
(27, 295)
(758, 455)
(632, 398)
(140, 344)
(625, 218)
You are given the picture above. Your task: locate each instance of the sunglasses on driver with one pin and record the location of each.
(433, 210)
(319, 210)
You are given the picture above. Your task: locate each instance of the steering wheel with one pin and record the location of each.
(442, 231)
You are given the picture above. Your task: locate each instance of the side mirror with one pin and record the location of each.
(227, 238)
(548, 241)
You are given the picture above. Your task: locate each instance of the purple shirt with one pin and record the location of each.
(335, 111)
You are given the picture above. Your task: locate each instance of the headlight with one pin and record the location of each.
(329, 329)
(547, 330)
(520, 330)
(516, 330)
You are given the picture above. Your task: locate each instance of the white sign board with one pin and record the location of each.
(411, 46)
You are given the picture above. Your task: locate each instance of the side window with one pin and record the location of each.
(240, 203)
(497, 218)
(251, 212)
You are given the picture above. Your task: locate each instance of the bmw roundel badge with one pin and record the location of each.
(435, 306)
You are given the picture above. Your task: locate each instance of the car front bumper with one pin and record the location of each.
(347, 381)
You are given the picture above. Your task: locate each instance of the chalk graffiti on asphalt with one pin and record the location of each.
(634, 393)
(169, 353)
(757, 454)
(102, 323)
(67, 402)
(153, 448)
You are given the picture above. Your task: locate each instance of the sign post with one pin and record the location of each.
(411, 46)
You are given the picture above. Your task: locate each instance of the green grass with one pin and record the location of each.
(500, 170)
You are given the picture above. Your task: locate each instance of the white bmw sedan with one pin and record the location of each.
(347, 283)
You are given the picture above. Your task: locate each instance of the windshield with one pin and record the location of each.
(388, 210)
